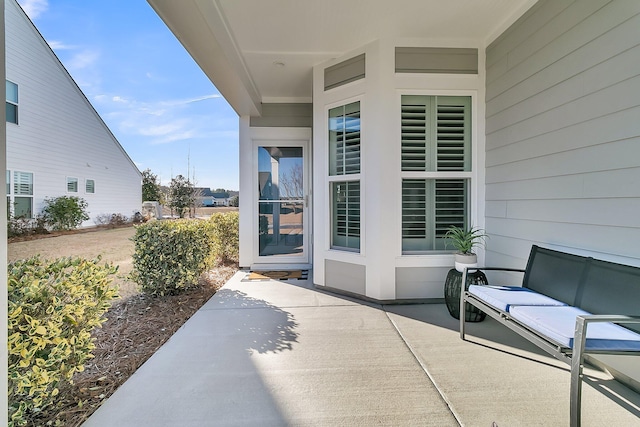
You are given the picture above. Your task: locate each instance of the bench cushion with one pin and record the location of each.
(503, 297)
(558, 323)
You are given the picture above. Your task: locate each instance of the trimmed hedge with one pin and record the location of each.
(225, 229)
(53, 307)
(171, 255)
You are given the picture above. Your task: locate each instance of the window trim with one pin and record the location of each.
(86, 186)
(69, 178)
(15, 103)
(331, 179)
(12, 194)
(472, 176)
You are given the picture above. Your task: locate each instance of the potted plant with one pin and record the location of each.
(464, 241)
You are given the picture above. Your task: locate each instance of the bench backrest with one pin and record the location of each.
(554, 273)
(599, 287)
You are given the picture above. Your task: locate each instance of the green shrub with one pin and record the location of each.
(225, 235)
(170, 256)
(65, 212)
(53, 307)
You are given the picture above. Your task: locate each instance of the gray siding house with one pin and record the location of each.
(378, 124)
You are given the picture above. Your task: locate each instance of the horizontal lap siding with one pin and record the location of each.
(59, 134)
(563, 132)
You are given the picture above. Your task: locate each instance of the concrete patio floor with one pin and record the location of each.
(276, 353)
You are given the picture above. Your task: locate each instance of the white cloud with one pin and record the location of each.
(162, 122)
(34, 8)
(57, 45)
(82, 60)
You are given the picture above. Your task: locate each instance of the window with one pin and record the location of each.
(22, 194)
(12, 102)
(90, 186)
(344, 161)
(72, 185)
(436, 166)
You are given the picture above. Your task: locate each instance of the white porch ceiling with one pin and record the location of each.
(258, 51)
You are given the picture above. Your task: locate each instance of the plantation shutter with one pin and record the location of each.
(23, 183)
(346, 212)
(435, 137)
(344, 139)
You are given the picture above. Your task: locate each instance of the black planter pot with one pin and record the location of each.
(452, 289)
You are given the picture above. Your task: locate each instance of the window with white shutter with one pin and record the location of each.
(344, 176)
(72, 185)
(436, 161)
(22, 194)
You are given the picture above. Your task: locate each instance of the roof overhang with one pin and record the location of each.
(257, 51)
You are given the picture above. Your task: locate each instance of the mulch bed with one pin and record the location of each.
(135, 329)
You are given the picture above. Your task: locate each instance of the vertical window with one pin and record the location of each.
(436, 166)
(12, 102)
(90, 186)
(72, 185)
(344, 161)
(22, 194)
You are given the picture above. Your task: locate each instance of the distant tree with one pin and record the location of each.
(235, 201)
(150, 187)
(181, 194)
(219, 190)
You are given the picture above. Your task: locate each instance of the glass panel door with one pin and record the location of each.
(281, 202)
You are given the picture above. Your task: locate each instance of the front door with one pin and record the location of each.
(282, 203)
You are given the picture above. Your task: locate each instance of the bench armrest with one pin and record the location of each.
(577, 356)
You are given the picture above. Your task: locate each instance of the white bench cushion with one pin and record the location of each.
(559, 323)
(503, 297)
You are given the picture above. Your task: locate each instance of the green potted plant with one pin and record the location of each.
(464, 240)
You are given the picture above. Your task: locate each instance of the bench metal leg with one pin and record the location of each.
(463, 313)
(577, 365)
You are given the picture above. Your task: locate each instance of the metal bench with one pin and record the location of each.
(561, 295)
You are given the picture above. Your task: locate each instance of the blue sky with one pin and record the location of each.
(157, 102)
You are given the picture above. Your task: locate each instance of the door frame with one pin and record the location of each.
(282, 137)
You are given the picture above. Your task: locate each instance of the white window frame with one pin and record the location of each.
(69, 181)
(12, 102)
(471, 176)
(347, 177)
(11, 196)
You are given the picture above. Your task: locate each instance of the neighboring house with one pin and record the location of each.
(221, 199)
(517, 116)
(205, 197)
(56, 143)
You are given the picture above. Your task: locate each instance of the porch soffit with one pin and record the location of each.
(257, 51)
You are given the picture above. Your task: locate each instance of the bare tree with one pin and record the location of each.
(291, 184)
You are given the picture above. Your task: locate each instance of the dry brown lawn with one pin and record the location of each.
(113, 245)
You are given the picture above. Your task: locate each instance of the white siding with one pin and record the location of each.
(563, 132)
(59, 134)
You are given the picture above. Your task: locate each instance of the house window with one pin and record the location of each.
(436, 169)
(344, 176)
(72, 185)
(22, 194)
(12, 102)
(90, 186)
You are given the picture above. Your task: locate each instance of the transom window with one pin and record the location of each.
(436, 166)
(344, 176)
